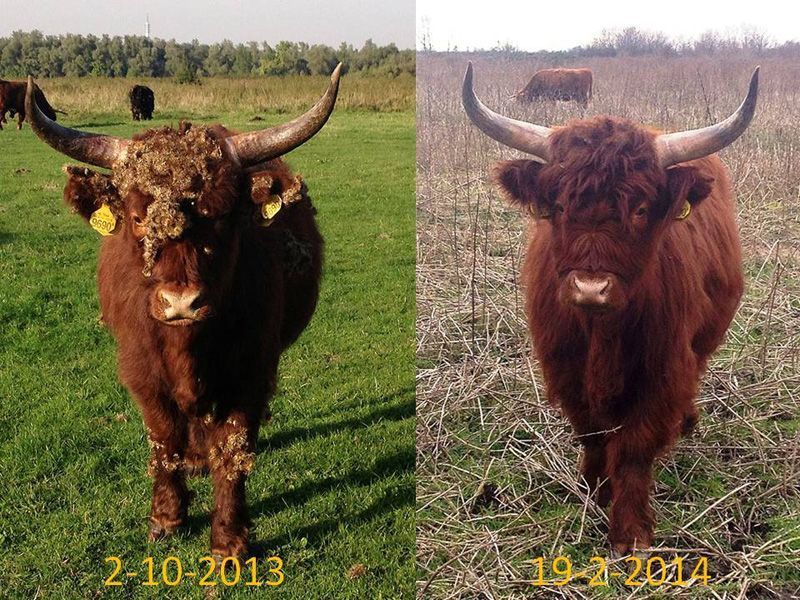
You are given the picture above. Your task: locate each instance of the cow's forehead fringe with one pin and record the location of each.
(171, 166)
(605, 141)
(604, 154)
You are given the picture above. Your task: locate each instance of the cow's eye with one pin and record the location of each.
(641, 211)
(559, 207)
(138, 227)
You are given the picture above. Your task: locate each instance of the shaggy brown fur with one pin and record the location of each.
(626, 378)
(12, 99)
(202, 383)
(559, 84)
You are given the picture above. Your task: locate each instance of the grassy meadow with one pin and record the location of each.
(216, 96)
(332, 492)
(496, 466)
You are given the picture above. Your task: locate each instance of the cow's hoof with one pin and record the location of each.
(623, 550)
(159, 531)
(230, 546)
(238, 550)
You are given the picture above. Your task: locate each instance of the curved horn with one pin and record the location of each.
(258, 146)
(95, 149)
(681, 146)
(523, 136)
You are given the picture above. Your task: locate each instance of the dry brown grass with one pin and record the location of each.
(220, 95)
(496, 473)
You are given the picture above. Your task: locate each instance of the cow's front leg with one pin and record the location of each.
(690, 419)
(166, 433)
(629, 462)
(592, 437)
(231, 457)
(593, 469)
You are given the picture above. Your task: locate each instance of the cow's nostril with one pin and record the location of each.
(198, 302)
(165, 298)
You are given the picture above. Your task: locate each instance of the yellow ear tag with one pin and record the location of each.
(270, 208)
(687, 208)
(103, 220)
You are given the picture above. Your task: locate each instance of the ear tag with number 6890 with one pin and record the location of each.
(270, 208)
(103, 220)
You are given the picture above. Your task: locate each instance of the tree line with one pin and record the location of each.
(632, 41)
(73, 55)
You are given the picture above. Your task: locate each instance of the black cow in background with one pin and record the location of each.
(143, 102)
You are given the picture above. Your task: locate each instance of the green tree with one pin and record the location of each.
(321, 60)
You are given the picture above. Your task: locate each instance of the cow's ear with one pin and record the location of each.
(518, 180)
(264, 185)
(88, 190)
(261, 184)
(686, 184)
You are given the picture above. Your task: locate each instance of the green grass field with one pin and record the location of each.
(333, 486)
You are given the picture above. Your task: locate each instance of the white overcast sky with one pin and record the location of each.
(314, 21)
(561, 24)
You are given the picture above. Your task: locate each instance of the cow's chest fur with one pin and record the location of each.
(607, 361)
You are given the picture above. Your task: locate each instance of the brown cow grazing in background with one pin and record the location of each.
(632, 276)
(559, 84)
(209, 270)
(12, 99)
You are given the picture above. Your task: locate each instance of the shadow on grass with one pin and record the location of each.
(195, 523)
(390, 501)
(394, 412)
(6, 237)
(398, 464)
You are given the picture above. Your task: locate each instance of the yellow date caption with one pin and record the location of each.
(654, 571)
(170, 572)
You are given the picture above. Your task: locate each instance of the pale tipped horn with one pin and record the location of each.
(527, 137)
(258, 146)
(94, 149)
(681, 146)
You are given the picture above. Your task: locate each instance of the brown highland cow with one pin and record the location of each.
(632, 276)
(12, 100)
(559, 84)
(209, 270)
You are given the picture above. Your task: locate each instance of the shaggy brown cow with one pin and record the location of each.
(12, 99)
(559, 84)
(210, 271)
(632, 275)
